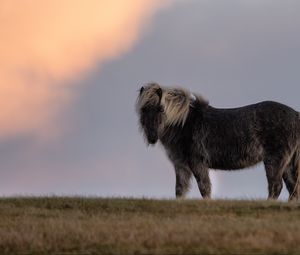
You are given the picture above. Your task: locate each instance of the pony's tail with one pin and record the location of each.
(296, 174)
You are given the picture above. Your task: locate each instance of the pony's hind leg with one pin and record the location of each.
(275, 170)
(183, 176)
(291, 183)
(290, 177)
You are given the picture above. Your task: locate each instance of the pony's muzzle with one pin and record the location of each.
(152, 139)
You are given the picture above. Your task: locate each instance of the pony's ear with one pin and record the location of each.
(141, 90)
(159, 93)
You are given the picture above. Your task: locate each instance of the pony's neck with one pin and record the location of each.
(172, 134)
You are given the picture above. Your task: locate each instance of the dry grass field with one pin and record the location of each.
(63, 225)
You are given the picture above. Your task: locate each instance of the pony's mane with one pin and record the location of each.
(148, 96)
(176, 102)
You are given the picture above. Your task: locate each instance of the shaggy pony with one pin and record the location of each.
(197, 137)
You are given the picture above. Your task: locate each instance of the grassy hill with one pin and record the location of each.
(140, 226)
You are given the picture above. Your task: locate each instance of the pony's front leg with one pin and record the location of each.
(201, 174)
(183, 176)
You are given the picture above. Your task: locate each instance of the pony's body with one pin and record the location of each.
(227, 139)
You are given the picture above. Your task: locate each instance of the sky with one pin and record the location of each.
(69, 76)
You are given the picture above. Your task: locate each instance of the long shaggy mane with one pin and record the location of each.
(176, 102)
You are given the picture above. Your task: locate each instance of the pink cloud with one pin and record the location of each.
(47, 44)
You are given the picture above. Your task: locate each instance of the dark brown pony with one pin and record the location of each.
(198, 137)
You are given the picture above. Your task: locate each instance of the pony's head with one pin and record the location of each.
(160, 107)
(150, 111)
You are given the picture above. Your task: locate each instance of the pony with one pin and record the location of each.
(197, 137)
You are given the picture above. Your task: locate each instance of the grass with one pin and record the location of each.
(63, 225)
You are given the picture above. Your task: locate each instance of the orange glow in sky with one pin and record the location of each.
(47, 44)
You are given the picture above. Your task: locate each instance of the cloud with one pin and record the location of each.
(47, 44)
